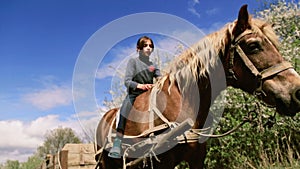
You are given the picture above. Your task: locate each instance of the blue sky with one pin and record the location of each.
(41, 41)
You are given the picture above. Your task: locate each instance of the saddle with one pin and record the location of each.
(153, 140)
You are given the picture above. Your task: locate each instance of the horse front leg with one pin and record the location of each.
(196, 156)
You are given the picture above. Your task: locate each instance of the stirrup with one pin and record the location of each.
(115, 151)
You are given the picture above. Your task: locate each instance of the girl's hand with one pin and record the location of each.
(144, 86)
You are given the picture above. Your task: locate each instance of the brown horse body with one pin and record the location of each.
(186, 90)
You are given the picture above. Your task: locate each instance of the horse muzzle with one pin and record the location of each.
(289, 107)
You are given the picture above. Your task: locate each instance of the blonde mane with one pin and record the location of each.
(196, 61)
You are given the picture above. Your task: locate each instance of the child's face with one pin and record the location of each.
(147, 49)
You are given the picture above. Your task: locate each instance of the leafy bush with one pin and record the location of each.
(269, 140)
(266, 140)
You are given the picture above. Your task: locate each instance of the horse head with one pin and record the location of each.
(255, 65)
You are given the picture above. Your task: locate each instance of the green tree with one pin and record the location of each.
(285, 16)
(11, 164)
(269, 140)
(55, 141)
(33, 162)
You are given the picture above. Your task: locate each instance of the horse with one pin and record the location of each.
(248, 50)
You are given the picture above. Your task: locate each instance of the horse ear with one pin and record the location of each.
(243, 21)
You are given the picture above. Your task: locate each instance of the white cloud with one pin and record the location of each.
(15, 154)
(215, 27)
(189, 37)
(88, 122)
(192, 7)
(212, 11)
(16, 135)
(86, 114)
(19, 139)
(121, 55)
(50, 97)
(193, 10)
(167, 44)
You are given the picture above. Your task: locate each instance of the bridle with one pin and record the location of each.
(259, 75)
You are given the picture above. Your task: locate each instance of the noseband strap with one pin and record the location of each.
(260, 75)
(273, 70)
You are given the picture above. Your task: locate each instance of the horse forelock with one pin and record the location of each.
(261, 28)
(264, 28)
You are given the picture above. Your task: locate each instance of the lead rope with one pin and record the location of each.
(246, 119)
(249, 118)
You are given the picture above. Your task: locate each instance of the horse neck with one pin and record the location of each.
(192, 73)
(192, 102)
(203, 89)
(204, 101)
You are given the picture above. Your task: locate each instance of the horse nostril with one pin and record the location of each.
(296, 96)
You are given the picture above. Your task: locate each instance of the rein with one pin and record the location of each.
(260, 75)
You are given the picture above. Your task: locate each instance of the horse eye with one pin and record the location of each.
(254, 47)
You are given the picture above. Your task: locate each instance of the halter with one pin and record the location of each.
(260, 76)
